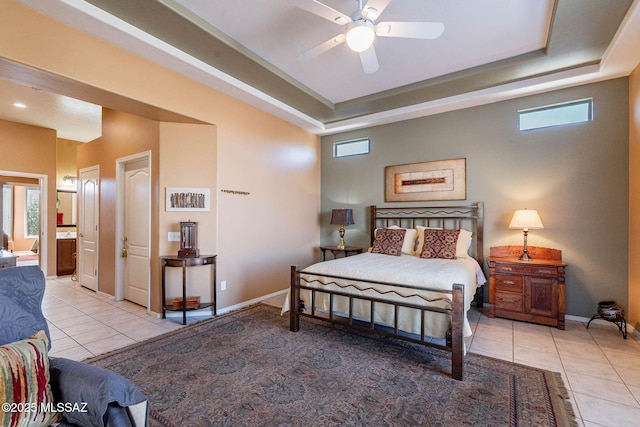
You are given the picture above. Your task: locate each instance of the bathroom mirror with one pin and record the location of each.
(66, 208)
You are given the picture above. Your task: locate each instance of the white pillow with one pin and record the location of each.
(410, 236)
(464, 243)
(462, 246)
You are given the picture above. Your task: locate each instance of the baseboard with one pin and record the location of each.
(209, 312)
(630, 329)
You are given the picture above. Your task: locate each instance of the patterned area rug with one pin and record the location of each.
(246, 368)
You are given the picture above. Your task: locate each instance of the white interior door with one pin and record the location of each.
(136, 240)
(88, 216)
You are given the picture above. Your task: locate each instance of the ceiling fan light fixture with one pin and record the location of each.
(360, 35)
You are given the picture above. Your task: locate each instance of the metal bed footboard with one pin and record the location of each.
(454, 342)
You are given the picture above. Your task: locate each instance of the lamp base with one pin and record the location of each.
(525, 253)
(341, 243)
(525, 257)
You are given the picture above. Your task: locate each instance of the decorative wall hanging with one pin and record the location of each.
(439, 180)
(188, 199)
(236, 192)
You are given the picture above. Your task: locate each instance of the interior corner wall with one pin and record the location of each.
(32, 150)
(634, 199)
(122, 135)
(576, 176)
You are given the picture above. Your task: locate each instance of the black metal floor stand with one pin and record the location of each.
(621, 323)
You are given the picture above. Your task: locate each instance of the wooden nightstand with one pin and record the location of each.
(347, 250)
(532, 291)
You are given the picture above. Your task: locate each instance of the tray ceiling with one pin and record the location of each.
(489, 50)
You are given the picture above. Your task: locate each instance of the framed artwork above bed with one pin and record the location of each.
(438, 180)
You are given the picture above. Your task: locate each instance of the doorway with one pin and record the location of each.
(88, 233)
(133, 228)
(35, 214)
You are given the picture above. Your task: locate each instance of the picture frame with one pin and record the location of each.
(188, 199)
(426, 181)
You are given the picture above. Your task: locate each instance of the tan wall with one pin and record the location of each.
(259, 235)
(276, 224)
(66, 163)
(32, 150)
(188, 159)
(634, 199)
(122, 135)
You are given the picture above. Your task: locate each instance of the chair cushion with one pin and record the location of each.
(21, 293)
(78, 383)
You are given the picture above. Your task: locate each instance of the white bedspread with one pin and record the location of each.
(405, 270)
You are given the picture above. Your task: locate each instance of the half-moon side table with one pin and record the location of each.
(184, 262)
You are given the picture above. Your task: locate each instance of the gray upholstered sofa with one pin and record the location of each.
(66, 391)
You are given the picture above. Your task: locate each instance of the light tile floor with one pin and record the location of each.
(599, 368)
(84, 323)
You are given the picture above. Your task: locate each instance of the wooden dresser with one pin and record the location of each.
(531, 291)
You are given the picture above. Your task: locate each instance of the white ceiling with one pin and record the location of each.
(476, 33)
(73, 119)
(490, 50)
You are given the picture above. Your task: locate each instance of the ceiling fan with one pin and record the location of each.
(361, 29)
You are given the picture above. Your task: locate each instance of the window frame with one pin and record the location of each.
(7, 210)
(550, 107)
(338, 144)
(27, 218)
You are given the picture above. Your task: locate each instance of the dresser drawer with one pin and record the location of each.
(509, 283)
(510, 301)
(538, 270)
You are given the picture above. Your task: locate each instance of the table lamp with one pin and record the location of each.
(342, 217)
(526, 219)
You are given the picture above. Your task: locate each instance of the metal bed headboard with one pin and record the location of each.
(470, 217)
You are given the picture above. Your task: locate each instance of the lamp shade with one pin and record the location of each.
(342, 216)
(526, 219)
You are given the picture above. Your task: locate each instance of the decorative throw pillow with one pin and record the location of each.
(420, 230)
(24, 383)
(389, 241)
(440, 244)
(410, 237)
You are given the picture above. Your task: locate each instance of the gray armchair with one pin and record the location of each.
(108, 399)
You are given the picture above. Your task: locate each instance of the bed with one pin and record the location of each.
(415, 283)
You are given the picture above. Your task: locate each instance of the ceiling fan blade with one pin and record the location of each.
(374, 8)
(322, 47)
(322, 10)
(369, 60)
(414, 30)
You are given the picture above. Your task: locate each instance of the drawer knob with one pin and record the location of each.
(507, 268)
(508, 282)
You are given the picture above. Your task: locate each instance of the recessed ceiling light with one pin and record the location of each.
(19, 105)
